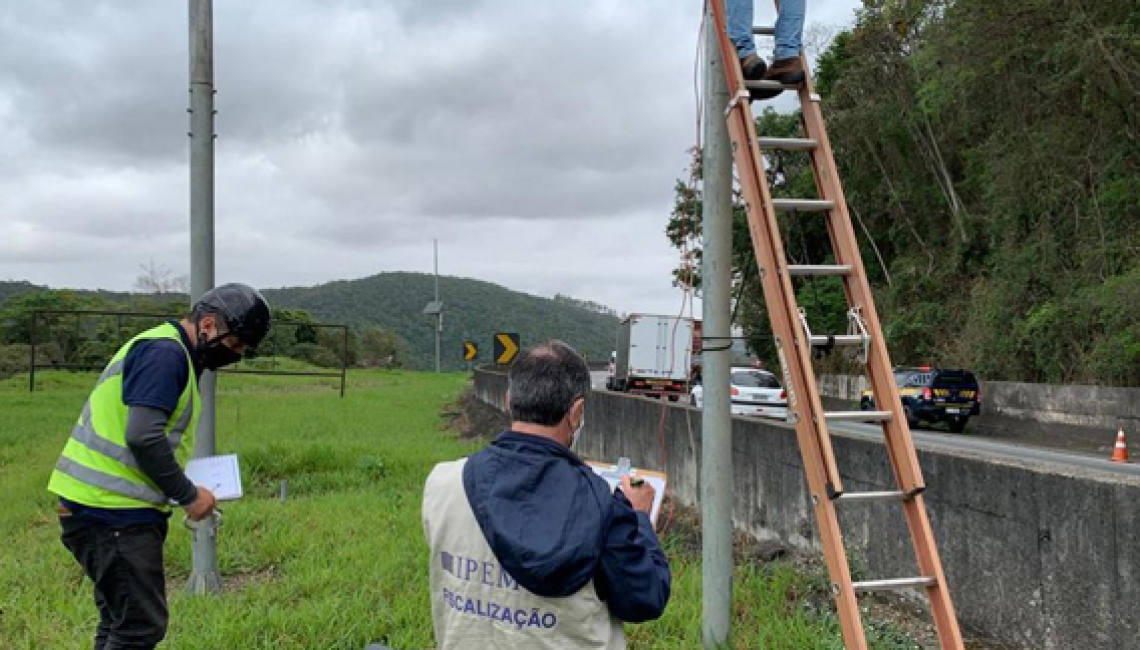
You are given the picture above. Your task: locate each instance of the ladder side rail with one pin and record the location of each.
(807, 424)
(896, 431)
(775, 284)
(900, 445)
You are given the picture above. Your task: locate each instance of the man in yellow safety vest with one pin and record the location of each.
(122, 468)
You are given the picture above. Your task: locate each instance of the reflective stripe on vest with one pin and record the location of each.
(99, 469)
(85, 434)
(108, 482)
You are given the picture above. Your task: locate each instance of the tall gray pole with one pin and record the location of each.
(204, 577)
(716, 417)
(439, 316)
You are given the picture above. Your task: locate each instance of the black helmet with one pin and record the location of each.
(241, 306)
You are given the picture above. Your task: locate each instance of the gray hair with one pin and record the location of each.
(545, 382)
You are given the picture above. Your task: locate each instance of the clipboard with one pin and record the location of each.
(609, 471)
(218, 474)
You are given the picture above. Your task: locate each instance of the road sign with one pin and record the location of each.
(506, 347)
(469, 350)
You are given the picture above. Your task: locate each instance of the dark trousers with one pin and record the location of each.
(125, 563)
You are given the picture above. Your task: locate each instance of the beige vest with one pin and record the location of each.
(476, 604)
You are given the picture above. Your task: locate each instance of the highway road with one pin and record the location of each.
(989, 448)
(994, 449)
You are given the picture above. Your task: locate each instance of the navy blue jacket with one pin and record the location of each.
(554, 524)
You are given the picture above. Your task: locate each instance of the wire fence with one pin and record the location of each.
(84, 339)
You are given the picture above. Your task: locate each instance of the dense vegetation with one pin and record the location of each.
(990, 154)
(384, 312)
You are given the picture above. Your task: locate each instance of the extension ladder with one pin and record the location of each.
(795, 342)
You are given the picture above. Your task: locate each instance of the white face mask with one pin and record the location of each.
(578, 431)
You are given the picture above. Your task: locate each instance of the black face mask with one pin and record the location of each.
(214, 354)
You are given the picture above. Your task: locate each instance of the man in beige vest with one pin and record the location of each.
(529, 547)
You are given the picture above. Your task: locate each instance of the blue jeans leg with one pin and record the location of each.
(789, 29)
(739, 14)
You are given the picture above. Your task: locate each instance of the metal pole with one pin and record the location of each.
(716, 418)
(439, 316)
(204, 577)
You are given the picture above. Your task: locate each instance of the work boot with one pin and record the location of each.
(789, 71)
(753, 67)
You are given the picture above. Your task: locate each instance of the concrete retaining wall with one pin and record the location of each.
(1095, 407)
(1035, 556)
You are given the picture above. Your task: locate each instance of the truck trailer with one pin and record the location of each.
(653, 356)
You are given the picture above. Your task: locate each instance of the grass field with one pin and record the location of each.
(341, 561)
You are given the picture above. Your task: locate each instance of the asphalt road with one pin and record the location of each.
(1018, 453)
(992, 449)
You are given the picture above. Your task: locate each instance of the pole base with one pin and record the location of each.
(204, 582)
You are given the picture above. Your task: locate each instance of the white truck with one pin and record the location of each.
(653, 356)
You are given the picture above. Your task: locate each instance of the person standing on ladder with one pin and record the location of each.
(786, 67)
(122, 466)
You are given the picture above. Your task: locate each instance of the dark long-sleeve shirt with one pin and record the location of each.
(555, 525)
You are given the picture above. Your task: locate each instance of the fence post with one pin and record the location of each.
(32, 362)
(344, 362)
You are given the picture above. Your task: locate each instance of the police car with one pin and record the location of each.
(934, 395)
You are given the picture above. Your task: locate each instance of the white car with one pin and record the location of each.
(754, 392)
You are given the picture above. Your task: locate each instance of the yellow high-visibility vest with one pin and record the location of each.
(96, 467)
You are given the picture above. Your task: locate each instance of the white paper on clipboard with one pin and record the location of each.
(218, 474)
(656, 479)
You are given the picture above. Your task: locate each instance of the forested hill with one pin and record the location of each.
(394, 302)
(990, 156)
(993, 149)
(473, 310)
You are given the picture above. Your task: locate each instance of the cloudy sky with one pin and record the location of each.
(538, 141)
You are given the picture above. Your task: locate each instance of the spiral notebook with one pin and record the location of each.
(218, 474)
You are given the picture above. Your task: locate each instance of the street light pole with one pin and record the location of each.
(204, 576)
(716, 417)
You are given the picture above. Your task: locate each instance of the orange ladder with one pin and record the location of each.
(795, 342)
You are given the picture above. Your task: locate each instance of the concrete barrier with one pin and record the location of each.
(1041, 557)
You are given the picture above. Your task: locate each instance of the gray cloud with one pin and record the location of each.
(538, 141)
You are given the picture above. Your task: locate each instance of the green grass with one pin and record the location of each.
(342, 560)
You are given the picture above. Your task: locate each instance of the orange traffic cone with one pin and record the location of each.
(1120, 452)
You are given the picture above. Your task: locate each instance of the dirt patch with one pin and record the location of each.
(235, 582)
(470, 418)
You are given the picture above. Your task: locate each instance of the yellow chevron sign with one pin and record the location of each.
(469, 350)
(506, 347)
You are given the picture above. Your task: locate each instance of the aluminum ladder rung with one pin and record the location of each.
(803, 205)
(840, 340)
(764, 30)
(788, 144)
(895, 583)
(803, 270)
(890, 495)
(858, 416)
(769, 85)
